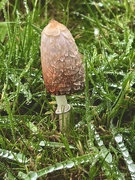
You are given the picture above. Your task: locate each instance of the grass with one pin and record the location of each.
(101, 144)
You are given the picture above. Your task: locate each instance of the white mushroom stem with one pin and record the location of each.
(62, 105)
(63, 109)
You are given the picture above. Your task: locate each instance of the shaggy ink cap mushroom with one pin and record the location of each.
(62, 68)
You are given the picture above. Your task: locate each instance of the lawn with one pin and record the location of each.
(100, 143)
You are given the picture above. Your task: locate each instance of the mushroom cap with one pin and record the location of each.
(62, 67)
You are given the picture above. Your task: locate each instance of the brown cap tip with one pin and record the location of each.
(62, 67)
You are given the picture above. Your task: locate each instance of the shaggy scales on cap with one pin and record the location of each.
(62, 67)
